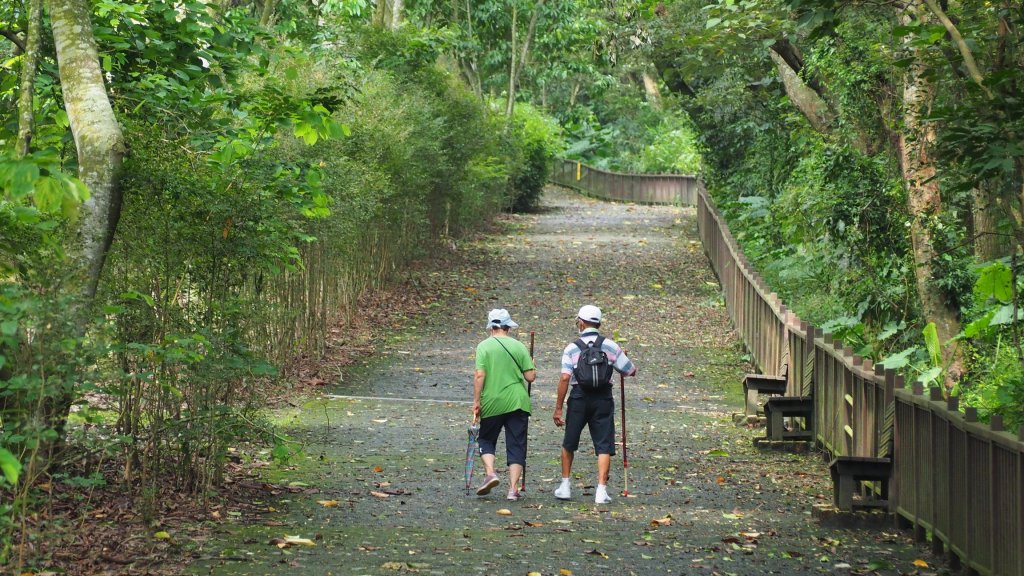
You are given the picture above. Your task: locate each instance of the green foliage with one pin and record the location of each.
(535, 140)
(273, 177)
(10, 466)
(997, 385)
(672, 149)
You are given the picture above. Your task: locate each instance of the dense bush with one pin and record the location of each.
(533, 141)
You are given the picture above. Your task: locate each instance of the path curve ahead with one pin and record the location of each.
(389, 448)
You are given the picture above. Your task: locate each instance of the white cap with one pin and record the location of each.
(590, 313)
(500, 317)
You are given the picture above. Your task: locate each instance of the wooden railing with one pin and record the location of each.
(959, 479)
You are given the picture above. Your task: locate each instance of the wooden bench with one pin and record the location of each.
(780, 407)
(847, 474)
(754, 384)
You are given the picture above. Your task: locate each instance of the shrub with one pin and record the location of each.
(535, 139)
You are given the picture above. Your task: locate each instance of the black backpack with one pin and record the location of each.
(593, 371)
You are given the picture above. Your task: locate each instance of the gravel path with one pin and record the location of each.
(379, 486)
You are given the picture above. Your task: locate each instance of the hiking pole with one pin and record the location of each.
(625, 461)
(529, 392)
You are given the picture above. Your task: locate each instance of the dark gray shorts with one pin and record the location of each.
(596, 412)
(515, 424)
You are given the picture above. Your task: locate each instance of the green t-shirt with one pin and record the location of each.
(504, 386)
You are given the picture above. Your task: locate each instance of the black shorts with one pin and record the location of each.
(596, 412)
(515, 424)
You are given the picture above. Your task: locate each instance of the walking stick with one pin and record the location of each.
(625, 461)
(529, 392)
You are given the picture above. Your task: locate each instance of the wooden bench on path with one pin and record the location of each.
(852, 473)
(754, 384)
(780, 407)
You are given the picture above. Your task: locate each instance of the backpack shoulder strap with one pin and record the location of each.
(599, 341)
(509, 354)
(580, 344)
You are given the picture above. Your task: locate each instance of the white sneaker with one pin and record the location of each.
(563, 492)
(601, 496)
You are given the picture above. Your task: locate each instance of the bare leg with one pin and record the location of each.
(567, 462)
(488, 463)
(604, 462)
(515, 472)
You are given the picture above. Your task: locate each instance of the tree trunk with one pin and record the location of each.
(26, 92)
(267, 14)
(388, 14)
(808, 101)
(924, 200)
(510, 102)
(517, 66)
(379, 13)
(989, 243)
(396, 13)
(651, 90)
(98, 139)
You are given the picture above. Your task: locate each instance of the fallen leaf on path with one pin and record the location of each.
(291, 541)
(666, 521)
(533, 524)
(379, 494)
(380, 420)
(328, 503)
(505, 512)
(920, 563)
(162, 535)
(564, 572)
(596, 552)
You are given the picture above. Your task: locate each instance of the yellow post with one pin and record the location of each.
(578, 170)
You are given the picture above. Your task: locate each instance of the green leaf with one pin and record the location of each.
(931, 375)
(931, 341)
(8, 327)
(712, 22)
(280, 454)
(18, 178)
(978, 326)
(897, 361)
(10, 466)
(1004, 315)
(995, 281)
(48, 195)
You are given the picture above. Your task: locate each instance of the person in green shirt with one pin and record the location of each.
(501, 400)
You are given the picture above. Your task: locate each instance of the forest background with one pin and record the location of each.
(195, 192)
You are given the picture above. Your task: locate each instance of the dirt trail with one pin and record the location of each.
(389, 447)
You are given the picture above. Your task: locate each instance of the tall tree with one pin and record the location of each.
(26, 91)
(388, 14)
(519, 62)
(924, 197)
(99, 142)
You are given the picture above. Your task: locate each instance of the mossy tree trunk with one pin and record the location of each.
(924, 197)
(98, 139)
(26, 91)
